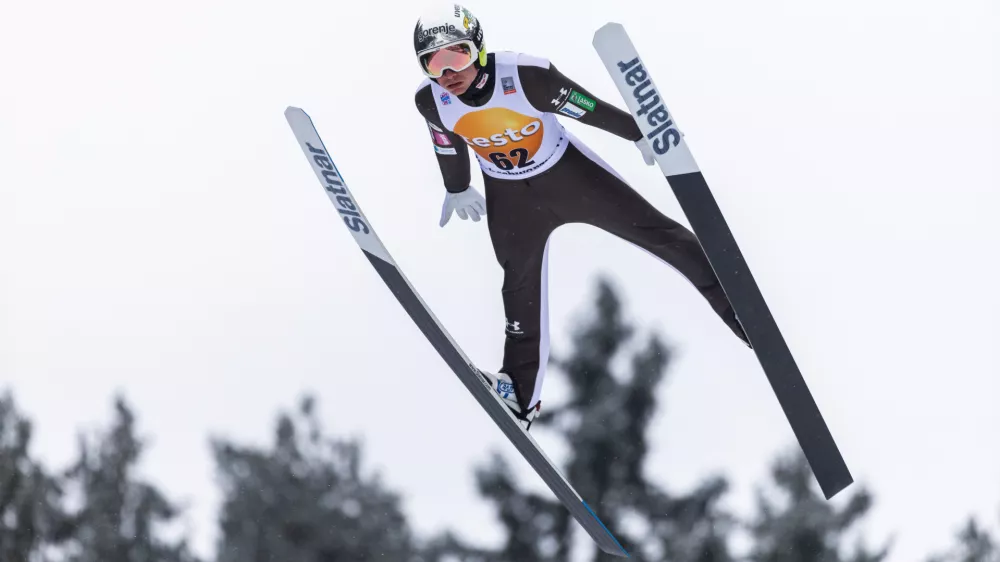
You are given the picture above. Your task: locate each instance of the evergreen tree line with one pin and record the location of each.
(309, 496)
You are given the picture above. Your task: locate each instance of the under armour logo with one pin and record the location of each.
(563, 92)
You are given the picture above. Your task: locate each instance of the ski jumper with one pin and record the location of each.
(537, 176)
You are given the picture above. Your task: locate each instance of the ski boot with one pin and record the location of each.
(502, 384)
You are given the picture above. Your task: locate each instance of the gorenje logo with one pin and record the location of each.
(437, 29)
(655, 112)
(335, 185)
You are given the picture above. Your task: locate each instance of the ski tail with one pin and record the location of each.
(672, 154)
(373, 248)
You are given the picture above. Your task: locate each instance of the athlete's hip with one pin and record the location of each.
(575, 167)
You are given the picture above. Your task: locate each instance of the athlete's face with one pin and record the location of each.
(458, 82)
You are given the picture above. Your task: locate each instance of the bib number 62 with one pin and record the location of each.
(504, 160)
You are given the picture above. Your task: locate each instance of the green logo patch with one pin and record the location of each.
(581, 100)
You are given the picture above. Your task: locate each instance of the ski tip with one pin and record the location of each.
(296, 116)
(292, 112)
(612, 27)
(617, 549)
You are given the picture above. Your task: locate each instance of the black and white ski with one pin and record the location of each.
(373, 249)
(648, 108)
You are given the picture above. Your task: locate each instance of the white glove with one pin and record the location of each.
(646, 150)
(465, 203)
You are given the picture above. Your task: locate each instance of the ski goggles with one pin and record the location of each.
(457, 57)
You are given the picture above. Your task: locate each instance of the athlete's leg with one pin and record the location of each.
(600, 197)
(520, 225)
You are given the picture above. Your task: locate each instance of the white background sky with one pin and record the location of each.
(162, 235)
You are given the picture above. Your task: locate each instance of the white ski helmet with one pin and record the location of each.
(448, 39)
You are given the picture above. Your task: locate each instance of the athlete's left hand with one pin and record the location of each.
(465, 203)
(646, 150)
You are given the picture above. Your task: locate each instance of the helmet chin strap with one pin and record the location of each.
(479, 75)
(477, 89)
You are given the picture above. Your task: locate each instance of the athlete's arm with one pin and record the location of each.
(451, 152)
(548, 89)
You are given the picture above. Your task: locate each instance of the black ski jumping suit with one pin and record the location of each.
(537, 177)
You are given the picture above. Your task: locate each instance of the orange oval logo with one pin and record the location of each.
(500, 130)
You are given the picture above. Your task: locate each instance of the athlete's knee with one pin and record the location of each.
(670, 239)
(668, 227)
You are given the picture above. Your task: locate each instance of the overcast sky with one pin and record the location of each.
(162, 235)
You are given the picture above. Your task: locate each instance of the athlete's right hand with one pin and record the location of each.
(465, 203)
(647, 151)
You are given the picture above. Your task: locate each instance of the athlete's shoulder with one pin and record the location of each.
(424, 90)
(423, 97)
(527, 60)
(519, 59)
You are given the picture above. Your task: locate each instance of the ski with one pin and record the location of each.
(648, 108)
(377, 254)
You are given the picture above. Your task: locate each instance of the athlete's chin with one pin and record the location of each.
(457, 88)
